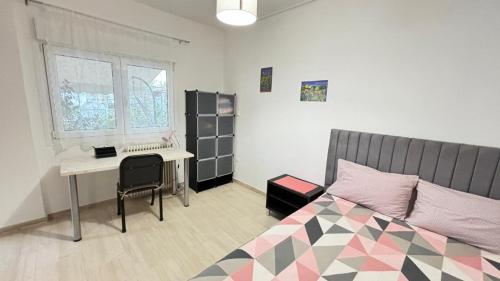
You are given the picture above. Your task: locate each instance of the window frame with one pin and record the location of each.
(55, 97)
(125, 62)
(119, 73)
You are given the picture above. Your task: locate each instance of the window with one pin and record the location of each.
(147, 104)
(94, 95)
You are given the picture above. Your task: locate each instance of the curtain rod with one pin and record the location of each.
(27, 2)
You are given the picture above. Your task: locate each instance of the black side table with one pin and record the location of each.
(287, 194)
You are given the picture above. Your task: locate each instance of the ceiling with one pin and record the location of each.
(203, 11)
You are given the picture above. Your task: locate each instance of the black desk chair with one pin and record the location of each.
(139, 173)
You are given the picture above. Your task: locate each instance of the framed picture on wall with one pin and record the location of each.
(314, 91)
(266, 79)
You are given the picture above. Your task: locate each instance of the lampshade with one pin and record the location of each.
(237, 12)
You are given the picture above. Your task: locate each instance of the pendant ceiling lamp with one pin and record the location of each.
(237, 12)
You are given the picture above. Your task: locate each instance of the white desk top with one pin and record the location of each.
(89, 164)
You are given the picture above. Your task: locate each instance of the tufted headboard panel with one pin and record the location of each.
(468, 168)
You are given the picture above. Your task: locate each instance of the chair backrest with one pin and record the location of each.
(141, 170)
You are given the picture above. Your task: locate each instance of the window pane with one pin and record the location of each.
(86, 94)
(148, 97)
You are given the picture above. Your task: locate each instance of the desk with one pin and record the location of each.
(71, 167)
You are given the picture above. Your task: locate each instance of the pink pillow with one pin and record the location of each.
(469, 218)
(386, 193)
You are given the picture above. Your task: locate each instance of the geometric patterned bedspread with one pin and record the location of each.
(334, 239)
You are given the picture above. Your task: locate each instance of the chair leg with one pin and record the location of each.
(118, 202)
(152, 197)
(160, 192)
(122, 208)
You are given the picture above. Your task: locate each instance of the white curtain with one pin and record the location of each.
(68, 29)
(83, 91)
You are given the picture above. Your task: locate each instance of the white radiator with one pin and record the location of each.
(145, 147)
(169, 176)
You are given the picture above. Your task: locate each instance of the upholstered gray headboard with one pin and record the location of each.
(468, 168)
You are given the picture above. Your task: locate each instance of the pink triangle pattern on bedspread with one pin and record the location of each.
(334, 239)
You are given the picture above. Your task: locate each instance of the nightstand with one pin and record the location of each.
(286, 194)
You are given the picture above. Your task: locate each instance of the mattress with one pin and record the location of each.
(334, 239)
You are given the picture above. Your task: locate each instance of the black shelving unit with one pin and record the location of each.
(210, 122)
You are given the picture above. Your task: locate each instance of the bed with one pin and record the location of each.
(334, 239)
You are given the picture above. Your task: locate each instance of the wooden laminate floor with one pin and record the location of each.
(189, 240)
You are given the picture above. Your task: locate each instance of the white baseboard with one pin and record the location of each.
(246, 185)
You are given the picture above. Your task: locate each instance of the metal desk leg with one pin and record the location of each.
(174, 177)
(186, 182)
(75, 212)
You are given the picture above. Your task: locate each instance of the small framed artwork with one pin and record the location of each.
(266, 79)
(314, 90)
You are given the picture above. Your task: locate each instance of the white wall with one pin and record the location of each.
(20, 197)
(428, 69)
(424, 69)
(200, 67)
